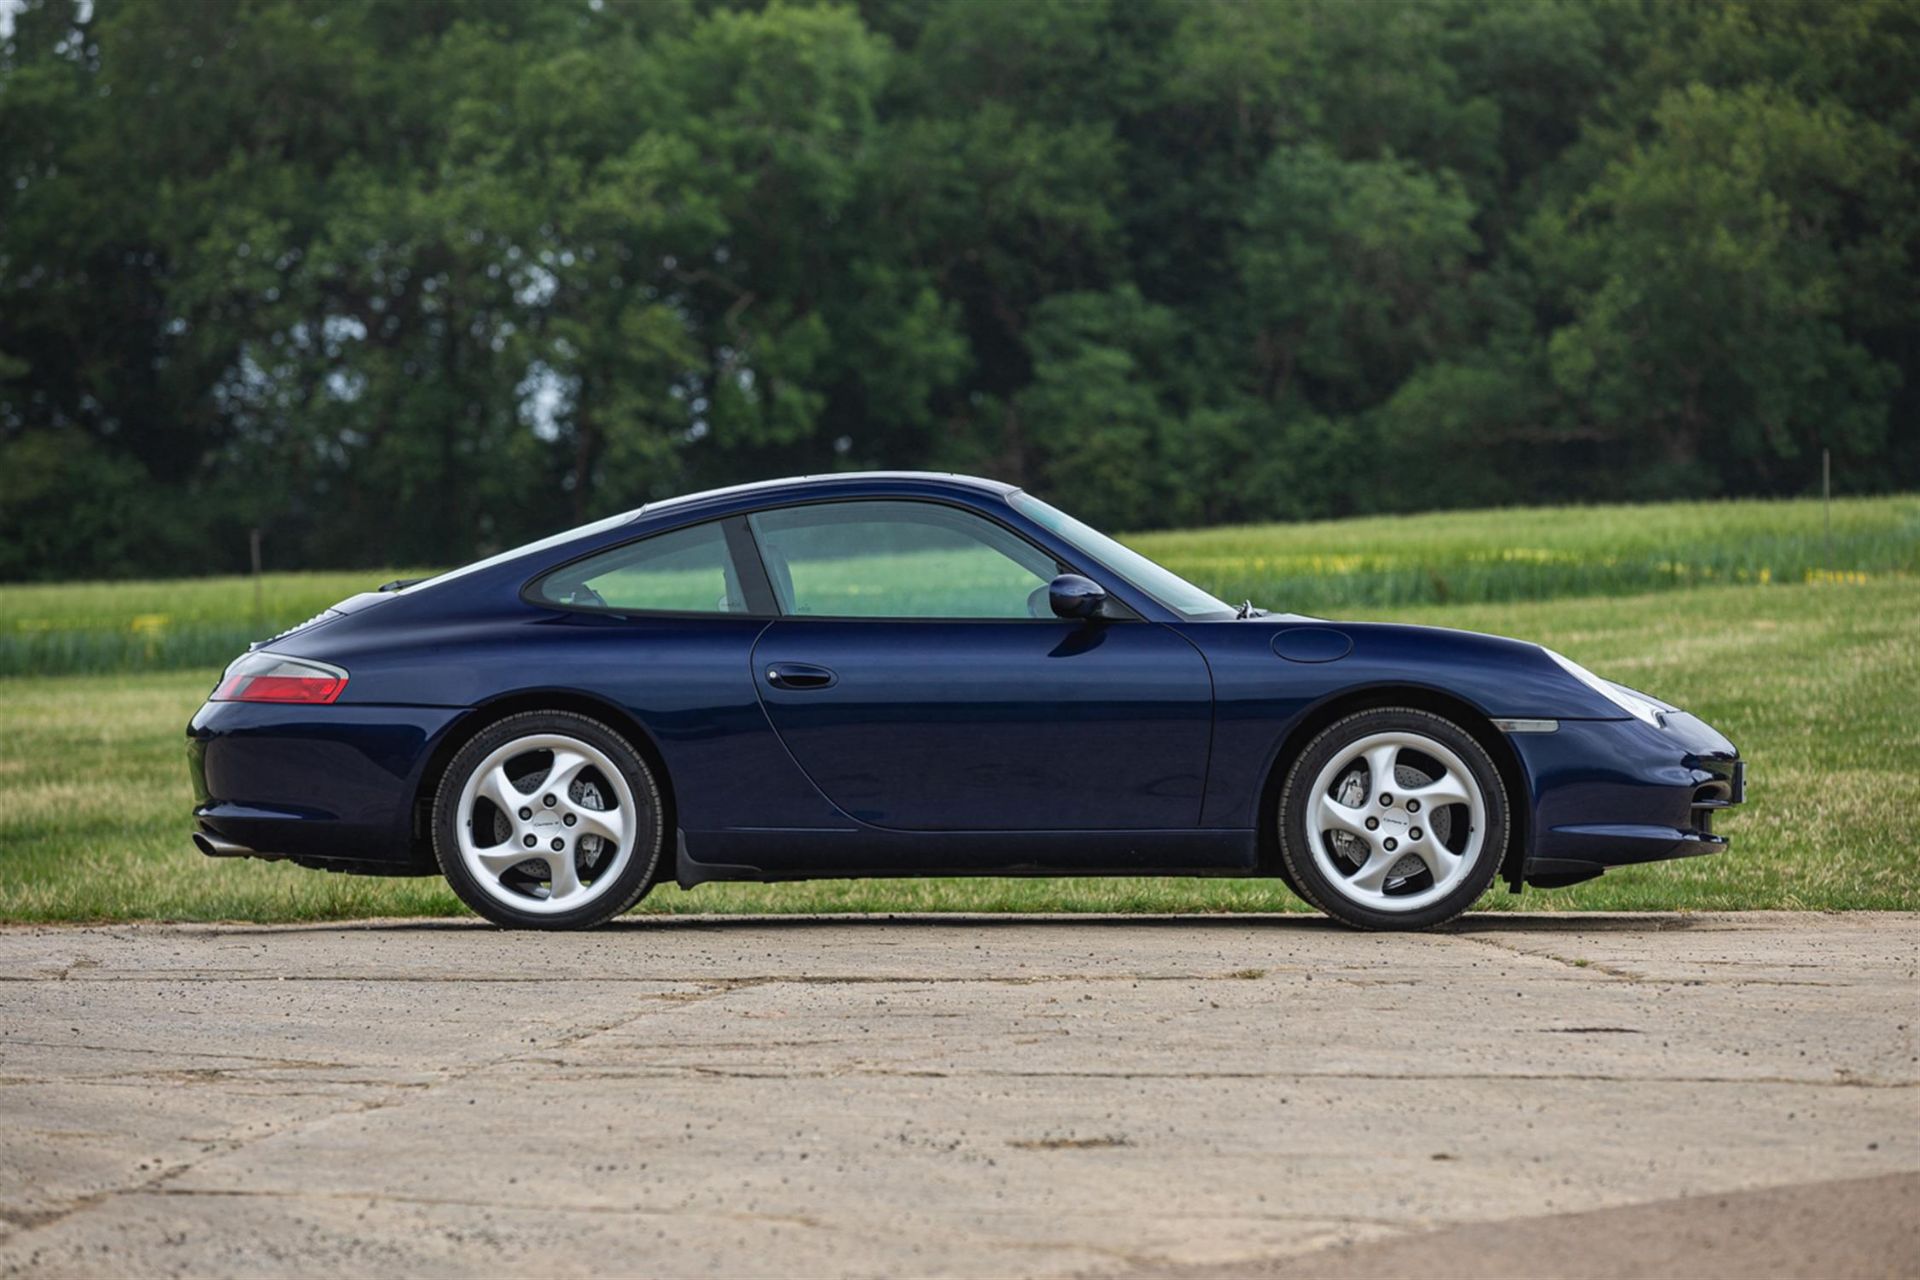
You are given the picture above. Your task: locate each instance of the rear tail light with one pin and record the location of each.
(269, 677)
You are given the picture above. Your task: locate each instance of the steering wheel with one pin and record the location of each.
(1040, 602)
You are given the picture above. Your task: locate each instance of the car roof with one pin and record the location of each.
(878, 481)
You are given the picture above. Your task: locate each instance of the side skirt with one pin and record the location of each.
(872, 853)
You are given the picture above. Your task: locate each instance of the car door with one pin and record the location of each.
(919, 678)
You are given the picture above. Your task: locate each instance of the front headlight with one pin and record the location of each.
(1625, 699)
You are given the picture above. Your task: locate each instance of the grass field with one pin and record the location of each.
(1339, 567)
(1818, 682)
(98, 627)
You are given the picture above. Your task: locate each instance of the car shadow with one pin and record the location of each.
(1473, 923)
(1571, 922)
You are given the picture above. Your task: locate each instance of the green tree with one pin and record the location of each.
(1709, 276)
(397, 281)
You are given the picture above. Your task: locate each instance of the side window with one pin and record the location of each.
(685, 571)
(900, 560)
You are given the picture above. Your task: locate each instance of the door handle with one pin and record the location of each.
(799, 675)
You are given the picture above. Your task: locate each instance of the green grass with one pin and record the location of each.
(58, 628)
(1819, 684)
(1331, 568)
(1542, 553)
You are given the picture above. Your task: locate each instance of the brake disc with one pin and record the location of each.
(588, 796)
(1353, 794)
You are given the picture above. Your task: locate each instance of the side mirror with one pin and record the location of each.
(1073, 596)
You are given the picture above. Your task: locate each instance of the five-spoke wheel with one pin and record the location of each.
(1393, 818)
(549, 820)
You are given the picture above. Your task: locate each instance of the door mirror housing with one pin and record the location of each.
(1075, 597)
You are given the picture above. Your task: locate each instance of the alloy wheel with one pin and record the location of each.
(546, 823)
(1396, 821)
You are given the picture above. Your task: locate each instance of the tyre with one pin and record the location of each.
(1286, 878)
(1393, 818)
(548, 820)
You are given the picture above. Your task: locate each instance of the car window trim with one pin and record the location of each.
(756, 584)
(755, 570)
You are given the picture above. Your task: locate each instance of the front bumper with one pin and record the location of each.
(1609, 793)
(328, 783)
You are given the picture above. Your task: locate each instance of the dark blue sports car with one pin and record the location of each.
(920, 675)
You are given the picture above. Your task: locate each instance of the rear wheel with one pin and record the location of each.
(548, 820)
(1393, 818)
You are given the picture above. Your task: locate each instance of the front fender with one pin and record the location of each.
(1262, 697)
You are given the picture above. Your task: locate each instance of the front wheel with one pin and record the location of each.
(548, 820)
(1393, 818)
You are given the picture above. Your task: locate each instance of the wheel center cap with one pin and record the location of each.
(545, 822)
(1393, 819)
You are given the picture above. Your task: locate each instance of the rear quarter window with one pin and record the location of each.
(682, 571)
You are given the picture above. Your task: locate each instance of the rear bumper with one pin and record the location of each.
(1611, 793)
(326, 784)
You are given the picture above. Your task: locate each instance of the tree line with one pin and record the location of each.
(404, 281)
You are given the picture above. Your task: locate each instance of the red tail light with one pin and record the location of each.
(268, 677)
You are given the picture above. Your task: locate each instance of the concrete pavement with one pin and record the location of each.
(974, 1096)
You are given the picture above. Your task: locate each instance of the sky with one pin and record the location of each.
(10, 7)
